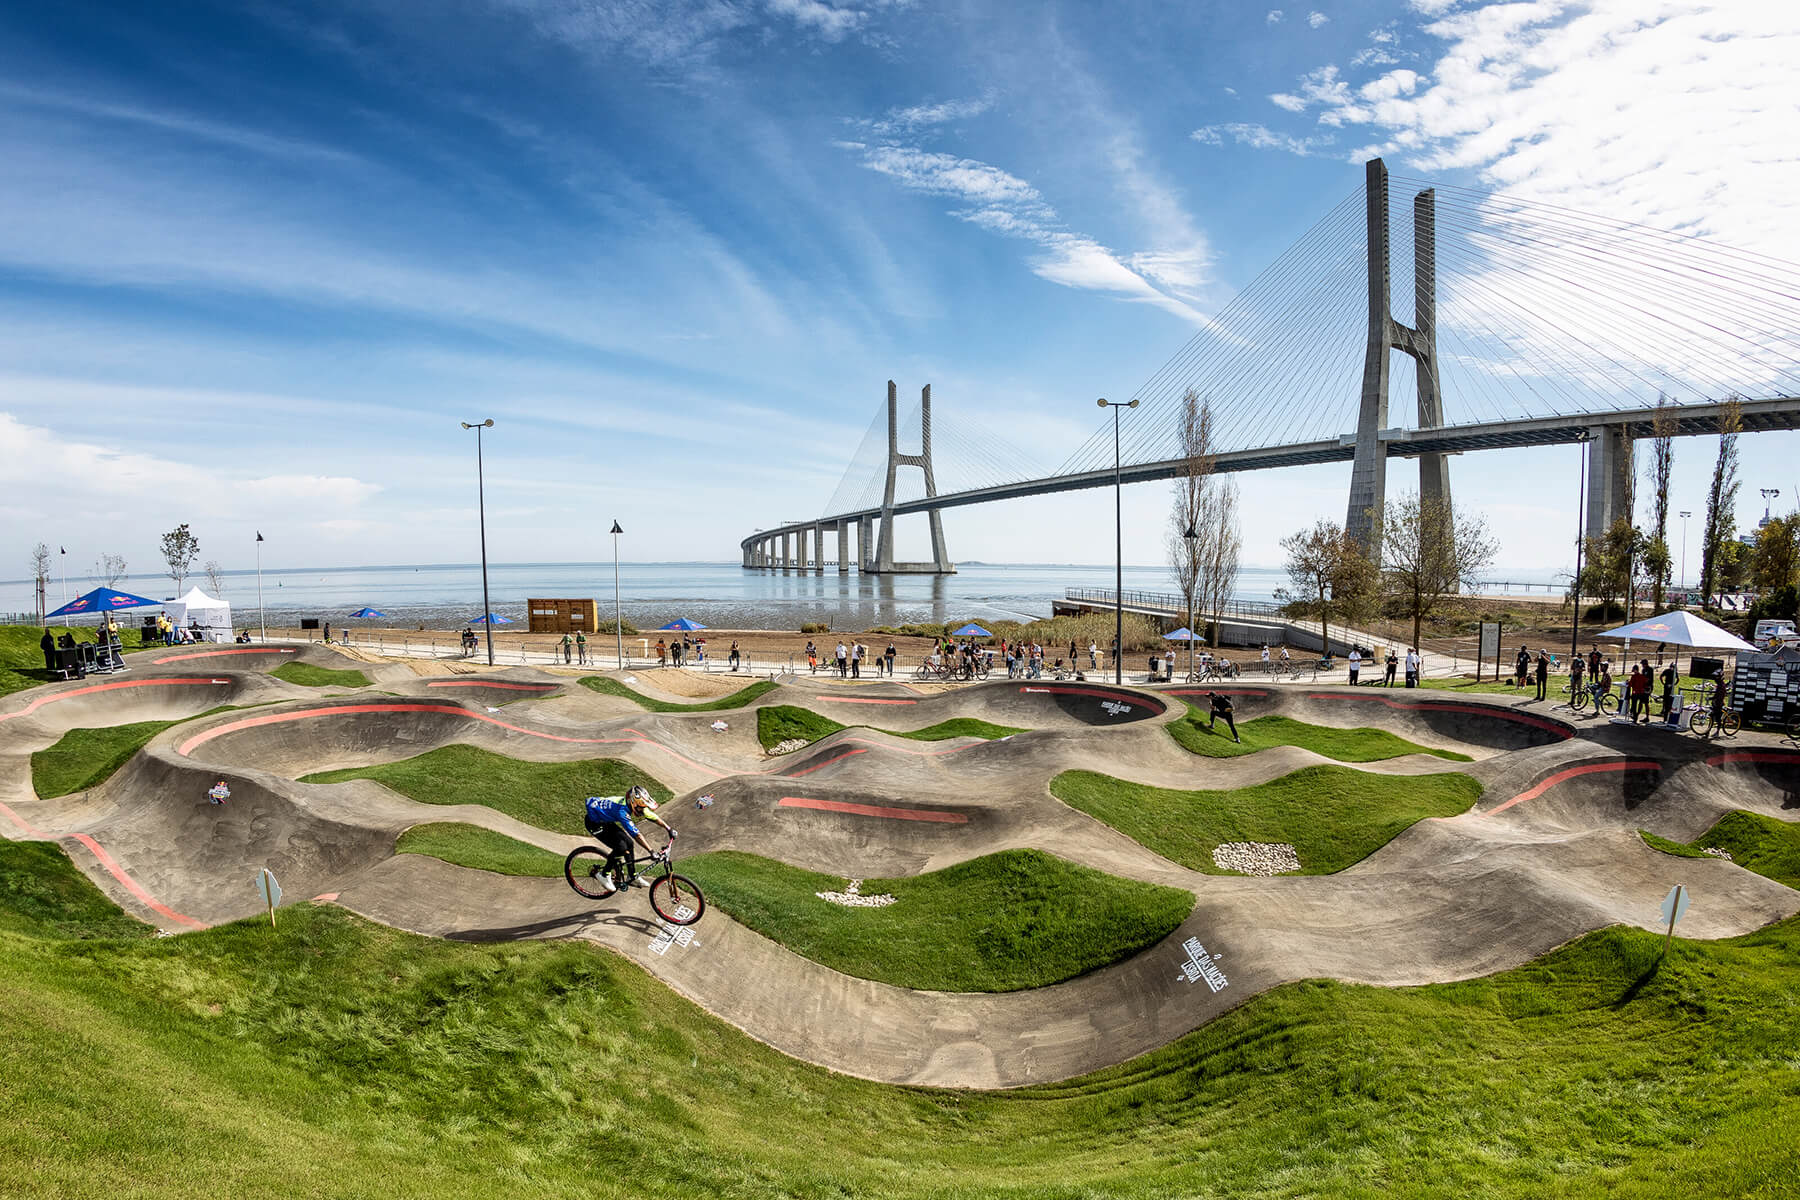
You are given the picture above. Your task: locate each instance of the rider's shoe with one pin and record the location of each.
(609, 887)
(638, 881)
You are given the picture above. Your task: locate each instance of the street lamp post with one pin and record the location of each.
(1581, 440)
(487, 609)
(1685, 514)
(618, 625)
(1118, 547)
(1191, 577)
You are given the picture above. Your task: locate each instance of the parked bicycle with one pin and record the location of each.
(676, 898)
(1711, 716)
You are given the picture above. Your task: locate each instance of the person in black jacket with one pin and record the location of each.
(1221, 707)
(48, 644)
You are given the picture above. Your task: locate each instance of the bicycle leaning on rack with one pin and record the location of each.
(676, 898)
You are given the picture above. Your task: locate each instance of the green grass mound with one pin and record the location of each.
(85, 758)
(737, 699)
(777, 723)
(43, 894)
(546, 795)
(1017, 919)
(1332, 816)
(477, 848)
(1768, 846)
(22, 658)
(337, 1056)
(1265, 733)
(307, 675)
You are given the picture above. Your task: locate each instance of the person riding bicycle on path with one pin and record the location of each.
(613, 820)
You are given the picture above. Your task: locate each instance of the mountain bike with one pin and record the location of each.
(1605, 703)
(1712, 719)
(676, 898)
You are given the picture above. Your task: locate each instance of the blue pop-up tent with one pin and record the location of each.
(683, 625)
(366, 613)
(970, 630)
(101, 600)
(491, 619)
(1184, 634)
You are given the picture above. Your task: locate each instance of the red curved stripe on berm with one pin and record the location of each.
(109, 687)
(1754, 756)
(1121, 695)
(131, 885)
(820, 766)
(510, 687)
(865, 700)
(1223, 691)
(1485, 710)
(450, 710)
(873, 810)
(1532, 793)
(217, 653)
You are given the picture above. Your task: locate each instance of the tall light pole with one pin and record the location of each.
(618, 625)
(1581, 440)
(1192, 576)
(1118, 547)
(1768, 494)
(487, 609)
(1684, 520)
(261, 618)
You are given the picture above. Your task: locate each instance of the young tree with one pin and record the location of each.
(1721, 506)
(1429, 552)
(1775, 562)
(40, 577)
(1606, 573)
(1657, 559)
(180, 548)
(1330, 571)
(1192, 484)
(215, 582)
(109, 569)
(1221, 547)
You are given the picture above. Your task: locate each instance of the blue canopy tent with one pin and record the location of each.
(683, 625)
(491, 619)
(367, 613)
(102, 600)
(970, 630)
(1184, 634)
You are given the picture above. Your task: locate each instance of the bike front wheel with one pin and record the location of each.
(585, 869)
(677, 899)
(1730, 723)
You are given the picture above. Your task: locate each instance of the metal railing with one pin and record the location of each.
(1172, 603)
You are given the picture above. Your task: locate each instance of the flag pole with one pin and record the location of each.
(261, 618)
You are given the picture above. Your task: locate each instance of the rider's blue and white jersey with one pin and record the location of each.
(609, 810)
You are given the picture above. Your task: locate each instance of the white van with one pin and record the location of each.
(1776, 631)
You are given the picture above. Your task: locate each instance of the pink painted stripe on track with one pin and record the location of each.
(820, 766)
(1754, 756)
(1624, 764)
(873, 810)
(216, 653)
(107, 687)
(511, 687)
(1227, 690)
(30, 830)
(865, 700)
(132, 885)
(1121, 695)
(1473, 709)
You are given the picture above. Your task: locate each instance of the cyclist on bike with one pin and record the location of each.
(613, 820)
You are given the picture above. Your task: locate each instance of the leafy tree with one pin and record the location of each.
(1657, 560)
(1428, 553)
(1716, 558)
(1775, 562)
(1330, 572)
(40, 576)
(1204, 566)
(180, 548)
(1607, 572)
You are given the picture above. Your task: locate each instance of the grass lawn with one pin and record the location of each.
(1556, 687)
(22, 658)
(307, 675)
(776, 723)
(338, 1057)
(1264, 733)
(1332, 816)
(482, 849)
(84, 758)
(737, 699)
(1016, 919)
(547, 795)
(1758, 843)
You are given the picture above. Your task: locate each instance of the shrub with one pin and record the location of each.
(816, 627)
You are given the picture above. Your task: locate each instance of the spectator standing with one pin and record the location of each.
(1355, 663)
(1669, 676)
(843, 661)
(856, 657)
(662, 653)
(1521, 667)
(47, 644)
(1543, 673)
(889, 657)
(1414, 664)
(734, 656)
(812, 656)
(568, 647)
(328, 631)
(1393, 662)
(1093, 655)
(581, 647)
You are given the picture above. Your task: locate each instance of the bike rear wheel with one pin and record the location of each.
(1579, 699)
(677, 899)
(1608, 704)
(585, 869)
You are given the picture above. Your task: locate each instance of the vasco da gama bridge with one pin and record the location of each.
(1526, 325)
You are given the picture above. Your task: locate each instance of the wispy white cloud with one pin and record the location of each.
(827, 20)
(1257, 137)
(1316, 19)
(901, 122)
(1274, 16)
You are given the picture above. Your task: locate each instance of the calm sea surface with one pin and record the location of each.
(721, 595)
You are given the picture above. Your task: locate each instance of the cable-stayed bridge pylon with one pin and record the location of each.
(1526, 325)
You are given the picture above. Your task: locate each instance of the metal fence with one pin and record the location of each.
(1171, 603)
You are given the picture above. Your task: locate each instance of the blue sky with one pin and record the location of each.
(257, 260)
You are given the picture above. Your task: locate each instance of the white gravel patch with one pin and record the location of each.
(1716, 852)
(852, 897)
(1256, 858)
(790, 745)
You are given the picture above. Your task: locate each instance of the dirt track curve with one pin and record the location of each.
(1549, 852)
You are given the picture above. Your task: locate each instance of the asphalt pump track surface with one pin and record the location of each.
(1549, 852)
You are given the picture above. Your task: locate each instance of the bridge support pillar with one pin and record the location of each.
(1609, 478)
(1368, 471)
(865, 545)
(885, 564)
(818, 536)
(843, 534)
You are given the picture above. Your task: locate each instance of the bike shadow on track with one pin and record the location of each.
(569, 925)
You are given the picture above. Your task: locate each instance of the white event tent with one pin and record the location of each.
(212, 616)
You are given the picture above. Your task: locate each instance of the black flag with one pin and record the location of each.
(259, 536)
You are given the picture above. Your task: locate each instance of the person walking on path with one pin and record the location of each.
(734, 656)
(1543, 673)
(662, 653)
(581, 647)
(889, 655)
(843, 661)
(1521, 667)
(812, 656)
(1221, 707)
(568, 647)
(1355, 663)
(1414, 664)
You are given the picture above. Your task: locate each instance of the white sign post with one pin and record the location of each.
(269, 890)
(1673, 905)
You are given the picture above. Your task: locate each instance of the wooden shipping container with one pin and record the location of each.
(562, 616)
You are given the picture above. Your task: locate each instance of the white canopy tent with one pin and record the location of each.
(212, 616)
